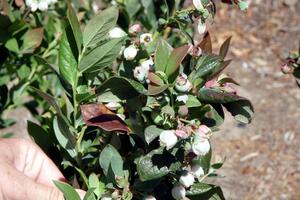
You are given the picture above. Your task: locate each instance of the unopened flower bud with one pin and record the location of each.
(201, 27)
(183, 84)
(203, 130)
(178, 192)
(286, 69)
(140, 73)
(197, 170)
(168, 138)
(130, 52)
(149, 197)
(135, 28)
(146, 39)
(116, 33)
(187, 179)
(148, 64)
(200, 145)
(181, 134)
(183, 111)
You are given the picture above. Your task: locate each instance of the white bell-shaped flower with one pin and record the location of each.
(146, 39)
(148, 64)
(182, 83)
(168, 138)
(197, 170)
(116, 33)
(130, 52)
(149, 197)
(187, 179)
(178, 192)
(200, 145)
(201, 27)
(140, 73)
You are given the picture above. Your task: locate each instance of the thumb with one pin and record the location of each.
(16, 186)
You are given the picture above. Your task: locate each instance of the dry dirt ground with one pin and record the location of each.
(262, 159)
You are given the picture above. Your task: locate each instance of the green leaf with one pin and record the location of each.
(68, 191)
(224, 48)
(99, 187)
(217, 96)
(205, 191)
(215, 117)
(83, 176)
(89, 195)
(33, 38)
(73, 20)
(192, 101)
(12, 45)
(101, 56)
(132, 7)
(174, 61)
(206, 66)
(156, 164)
(99, 26)
(64, 136)
(110, 157)
(40, 136)
(241, 110)
(204, 161)
(152, 132)
(120, 87)
(67, 57)
(162, 53)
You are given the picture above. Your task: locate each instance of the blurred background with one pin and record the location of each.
(261, 158)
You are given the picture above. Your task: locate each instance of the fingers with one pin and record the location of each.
(29, 159)
(16, 186)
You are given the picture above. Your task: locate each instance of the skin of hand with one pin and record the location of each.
(26, 172)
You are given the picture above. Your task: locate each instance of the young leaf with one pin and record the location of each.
(99, 26)
(73, 20)
(100, 116)
(224, 48)
(162, 53)
(101, 56)
(68, 191)
(65, 138)
(33, 38)
(110, 157)
(206, 44)
(67, 57)
(89, 195)
(174, 61)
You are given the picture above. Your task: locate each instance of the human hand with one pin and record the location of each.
(26, 172)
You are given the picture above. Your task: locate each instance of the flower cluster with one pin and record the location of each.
(41, 5)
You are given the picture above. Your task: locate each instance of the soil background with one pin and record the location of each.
(262, 159)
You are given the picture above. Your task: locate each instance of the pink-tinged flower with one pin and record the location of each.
(212, 84)
(195, 51)
(135, 28)
(182, 83)
(181, 134)
(286, 69)
(203, 130)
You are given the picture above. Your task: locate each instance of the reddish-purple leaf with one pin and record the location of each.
(174, 62)
(155, 79)
(100, 116)
(206, 44)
